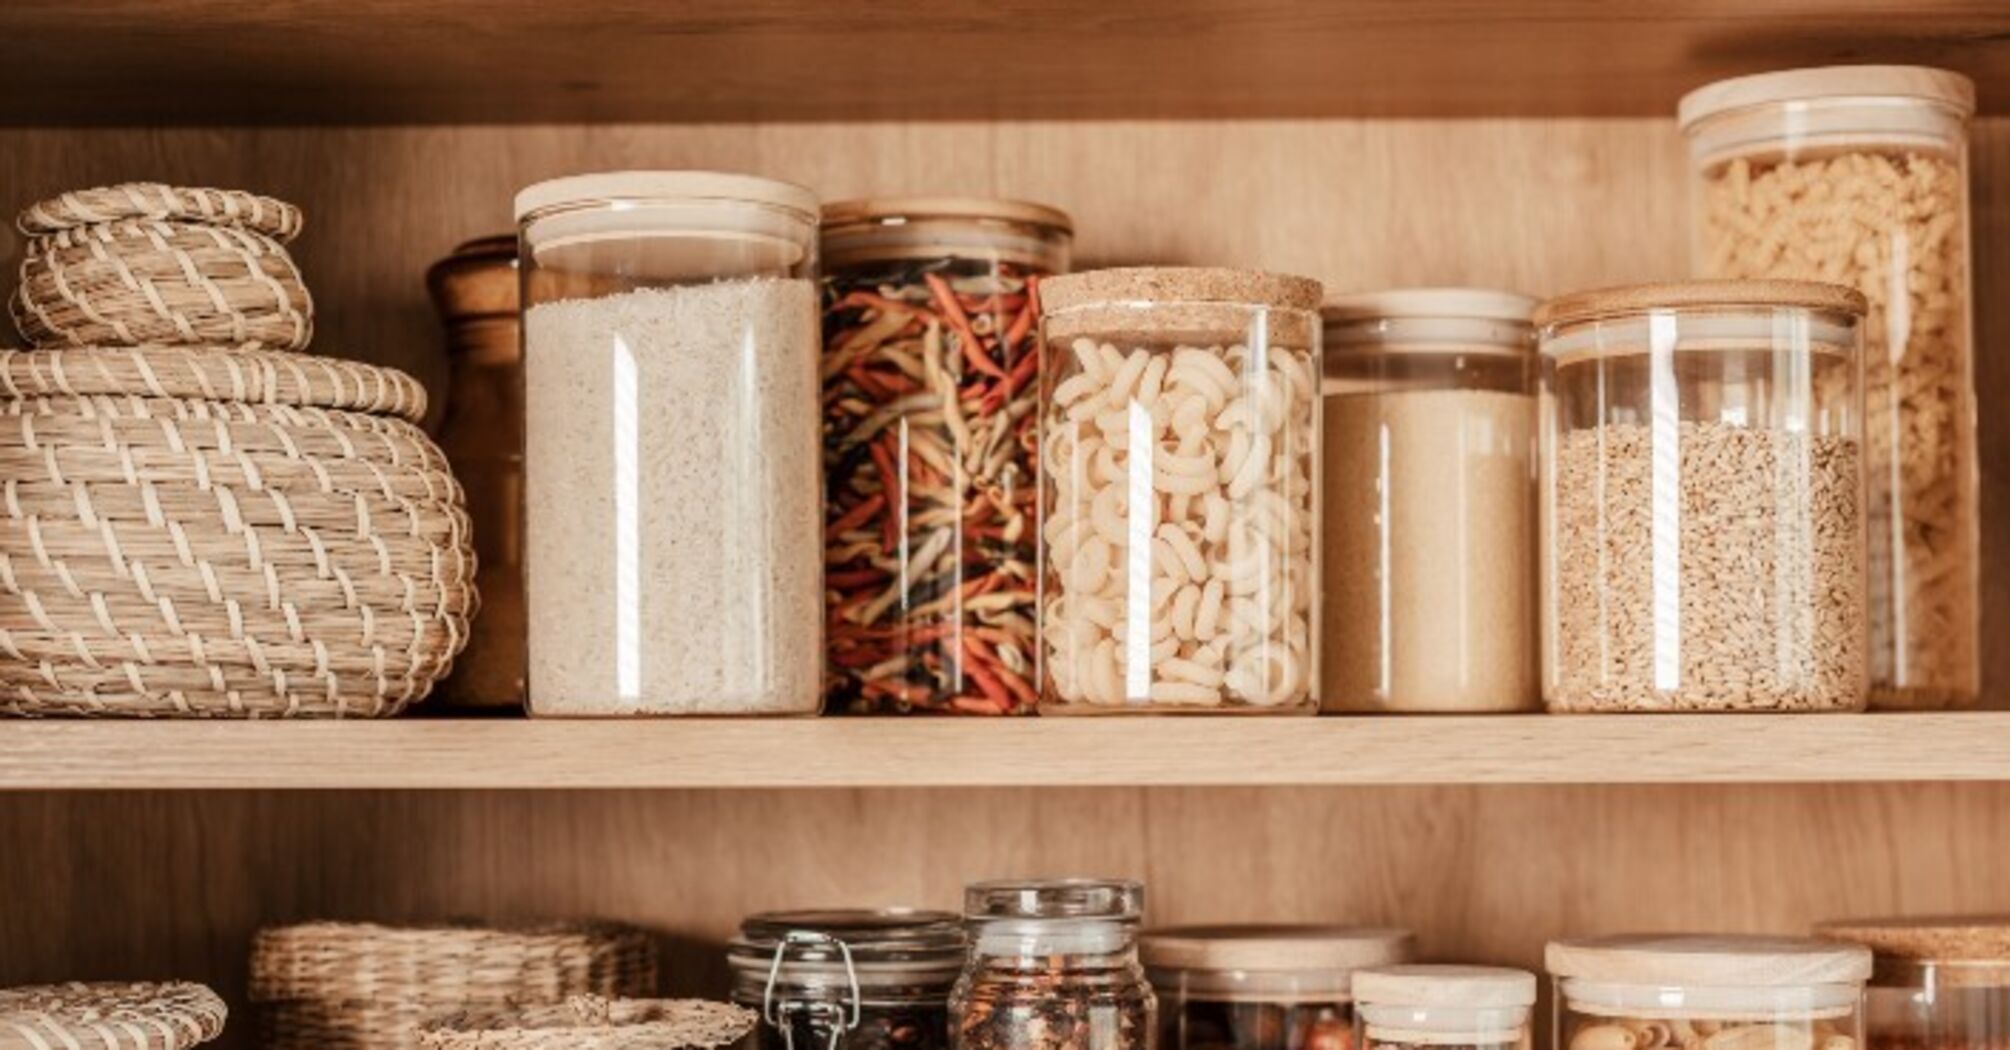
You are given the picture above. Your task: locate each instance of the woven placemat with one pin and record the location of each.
(594, 1023)
(454, 965)
(154, 200)
(213, 374)
(312, 1025)
(109, 1017)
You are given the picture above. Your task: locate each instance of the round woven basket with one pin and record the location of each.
(137, 281)
(594, 1023)
(81, 1016)
(222, 533)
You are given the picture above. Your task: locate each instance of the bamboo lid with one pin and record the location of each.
(1600, 303)
(666, 185)
(1444, 986)
(881, 209)
(1180, 284)
(82, 1016)
(1480, 304)
(1922, 83)
(1949, 938)
(1709, 960)
(1273, 948)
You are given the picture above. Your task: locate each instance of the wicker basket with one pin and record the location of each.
(109, 1017)
(152, 200)
(594, 1023)
(222, 533)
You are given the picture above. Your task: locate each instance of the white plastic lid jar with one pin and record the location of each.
(1476, 1007)
(1262, 987)
(1696, 992)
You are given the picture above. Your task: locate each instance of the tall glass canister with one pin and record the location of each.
(673, 528)
(1053, 965)
(1858, 175)
(931, 423)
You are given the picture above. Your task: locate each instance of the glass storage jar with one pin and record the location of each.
(672, 522)
(1053, 965)
(1702, 498)
(1708, 993)
(1428, 528)
(931, 395)
(1262, 987)
(1180, 492)
(1936, 983)
(475, 291)
(1859, 175)
(1448, 1007)
(868, 979)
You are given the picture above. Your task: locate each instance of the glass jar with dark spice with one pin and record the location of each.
(1940, 983)
(849, 979)
(1053, 966)
(1263, 987)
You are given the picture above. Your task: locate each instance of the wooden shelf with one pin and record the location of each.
(476, 61)
(1081, 752)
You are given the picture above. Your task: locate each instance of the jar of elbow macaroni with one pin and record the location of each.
(1180, 454)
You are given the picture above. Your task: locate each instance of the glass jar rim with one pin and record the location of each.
(1640, 299)
(631, 188)
(1054, 900)
(872, 935)
(881, 211)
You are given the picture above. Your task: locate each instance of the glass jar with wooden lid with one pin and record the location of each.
(1706, 992)
(1441, 1007)
(1262, 987)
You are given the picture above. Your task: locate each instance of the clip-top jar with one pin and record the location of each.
(1053, 966)
(1262, 987)
(1859, 175)
(931, 390)
(673, 525)
(1444, 1008)
(1937, 983)
(848, 979)
(1692, 992)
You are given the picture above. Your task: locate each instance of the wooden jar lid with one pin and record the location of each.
(1179, 284)
(80, 1016)
(1926, 84)
(1471, 987)
(153, 200)
(1601, 303)
(1709, 961)
(663, 185)
(1273, 948)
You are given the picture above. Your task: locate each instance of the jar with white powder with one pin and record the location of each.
(1858, 175)
(673, 527)
(1702, 498)
(1180, 453)
(1428, 541)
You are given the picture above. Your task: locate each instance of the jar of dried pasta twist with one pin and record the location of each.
(1858, 175)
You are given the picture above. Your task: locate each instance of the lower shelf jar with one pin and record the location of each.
(1708, 993)
(1053, 966)
(1938, 984)
(1262, 987)
(848, 979)
(1443, 1008)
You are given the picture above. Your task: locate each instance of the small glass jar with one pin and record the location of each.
(849, 979)
(475, 292)
(1702, 499)
(1262, 987)
(1181, 492)
(931, 396)
(673, 524)
(1708, 993)
(1859, 175)
(1053, 965)
(1937, 984)
(1443, 1008)
(1428, 541)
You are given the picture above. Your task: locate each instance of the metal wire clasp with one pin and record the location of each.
(832, 1019)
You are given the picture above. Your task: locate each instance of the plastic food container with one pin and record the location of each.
(1463, 1007)
(673, 524)
(1053, 963)
(1859, 175)
(848, 980)
(1938, 983)
(931, 413)
(1702, 499)
(1262, 987)
(1428, 531)
(1181, 492)
(1708, 993)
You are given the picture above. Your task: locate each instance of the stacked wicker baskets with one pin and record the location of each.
(195, 518)
(82, 1016)
(342, 986)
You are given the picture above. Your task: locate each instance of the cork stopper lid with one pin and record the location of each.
(80, 1016)
(980, 209)
(1939, 87)
(1445, 986)
(1180, 284)
(1275, 949)
(1966, 950)
(1601, 303)
(1709, 961)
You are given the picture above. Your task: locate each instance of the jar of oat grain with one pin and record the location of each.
(1858, 175)
(1702, 498)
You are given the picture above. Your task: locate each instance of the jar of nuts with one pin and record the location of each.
(1858, 175)
(1443, 1008)
(1690, 992)
(1937, 983)
(1262, 987)
(1053, 966)
(1702, 498)
(1180, 447)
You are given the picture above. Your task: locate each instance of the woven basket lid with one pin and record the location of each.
(1273, 948)
(1938, 938)
(153, 200)
(1599, 303)
(209, 374)
(593, 1023)
(1448, 986)
(1709, 960)
(81, 1016)
(1922, 83)
(1180, 284)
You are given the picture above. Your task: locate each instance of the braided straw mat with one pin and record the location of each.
(456, 966)
(137, 281)
(164, 551)
(109, 1017)
(593, 1023)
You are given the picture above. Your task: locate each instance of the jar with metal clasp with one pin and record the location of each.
(868, 979)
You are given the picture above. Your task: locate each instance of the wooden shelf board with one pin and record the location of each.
(476, 61)
(1082, 752)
